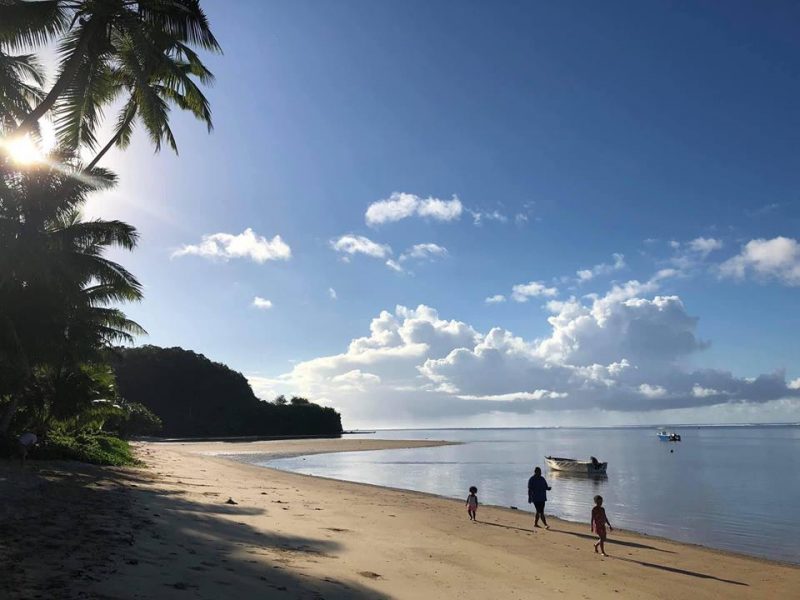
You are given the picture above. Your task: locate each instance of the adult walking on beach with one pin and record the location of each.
(537, 495)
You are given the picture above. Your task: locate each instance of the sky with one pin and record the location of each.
(486, 214)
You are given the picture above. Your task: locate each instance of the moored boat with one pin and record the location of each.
(668, 436)
(572, 465)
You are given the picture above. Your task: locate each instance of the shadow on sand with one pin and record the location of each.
(585, 536)
(629, 545)
(679, 571)
(76, 531)
(617, 542)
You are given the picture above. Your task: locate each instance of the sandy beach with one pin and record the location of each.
(168, 530)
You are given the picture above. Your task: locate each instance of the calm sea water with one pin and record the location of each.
(735, 488)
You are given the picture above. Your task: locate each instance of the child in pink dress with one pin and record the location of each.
(599, 522)
(472, 503)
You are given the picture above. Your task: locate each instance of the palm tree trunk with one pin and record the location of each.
(30, 121)
(111, 142)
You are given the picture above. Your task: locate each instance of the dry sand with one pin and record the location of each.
(166, 531)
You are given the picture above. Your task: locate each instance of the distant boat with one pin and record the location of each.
(572, 465)
(668, 436)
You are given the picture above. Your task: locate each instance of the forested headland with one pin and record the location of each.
(196, 397)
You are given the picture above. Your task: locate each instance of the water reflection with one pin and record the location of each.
(566, 476)
(692, 494)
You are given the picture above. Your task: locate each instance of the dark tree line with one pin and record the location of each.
(195, 397)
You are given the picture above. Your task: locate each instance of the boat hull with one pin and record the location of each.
(570, 465)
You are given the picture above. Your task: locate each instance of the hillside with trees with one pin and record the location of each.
(196, 397)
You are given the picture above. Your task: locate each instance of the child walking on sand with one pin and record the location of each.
(599, 522)
(472, 503)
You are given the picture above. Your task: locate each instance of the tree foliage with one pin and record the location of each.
(57, 291)
(196, 397)
(140, 51)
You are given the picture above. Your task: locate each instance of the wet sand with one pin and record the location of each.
(168, 531)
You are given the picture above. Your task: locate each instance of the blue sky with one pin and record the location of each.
(575, 132)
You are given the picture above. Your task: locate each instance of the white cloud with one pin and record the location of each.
(777, 259)
(619, 353)
(705, 246)
(358, 244)
(355, 380)
(225, 246)
(535, 395)
(403, 205)
(424, 252)
(261, 303)
(496, 299)
(523, 291)
(652, 391)
(478, 217)
(698, 391)
(602, 268)
(332, 293)
(440, 210)
(395, 266)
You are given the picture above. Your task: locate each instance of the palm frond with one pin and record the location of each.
(31, 24)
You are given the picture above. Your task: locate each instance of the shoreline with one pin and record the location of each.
(378, 444)
(617, 530)
(195, 523)
(232, 456)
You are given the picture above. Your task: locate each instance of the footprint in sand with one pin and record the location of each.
(336, 529)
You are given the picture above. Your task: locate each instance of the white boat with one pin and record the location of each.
(572, 465)
(668, 436)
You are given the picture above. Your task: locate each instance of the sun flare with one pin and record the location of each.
(22, 150)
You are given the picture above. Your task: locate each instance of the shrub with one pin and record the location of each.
(97, 449)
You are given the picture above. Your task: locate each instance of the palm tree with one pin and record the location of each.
(94, 34)
(56, 286)
(152, 83)
(21, 79)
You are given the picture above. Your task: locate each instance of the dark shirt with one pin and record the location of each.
(537, 489)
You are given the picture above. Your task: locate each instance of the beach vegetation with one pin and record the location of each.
(59, 291)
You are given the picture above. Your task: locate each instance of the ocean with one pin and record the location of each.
(732, 488)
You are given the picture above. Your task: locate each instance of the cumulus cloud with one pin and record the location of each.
(225, 246)
(401, 206)
(623, 352)
(261, 303)
(705, 246)
(652, 391)
(602, 268)
(523, 291)
(496, 299)
(355, 380)
(777, 259)
(698, 391)
(350, 245)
